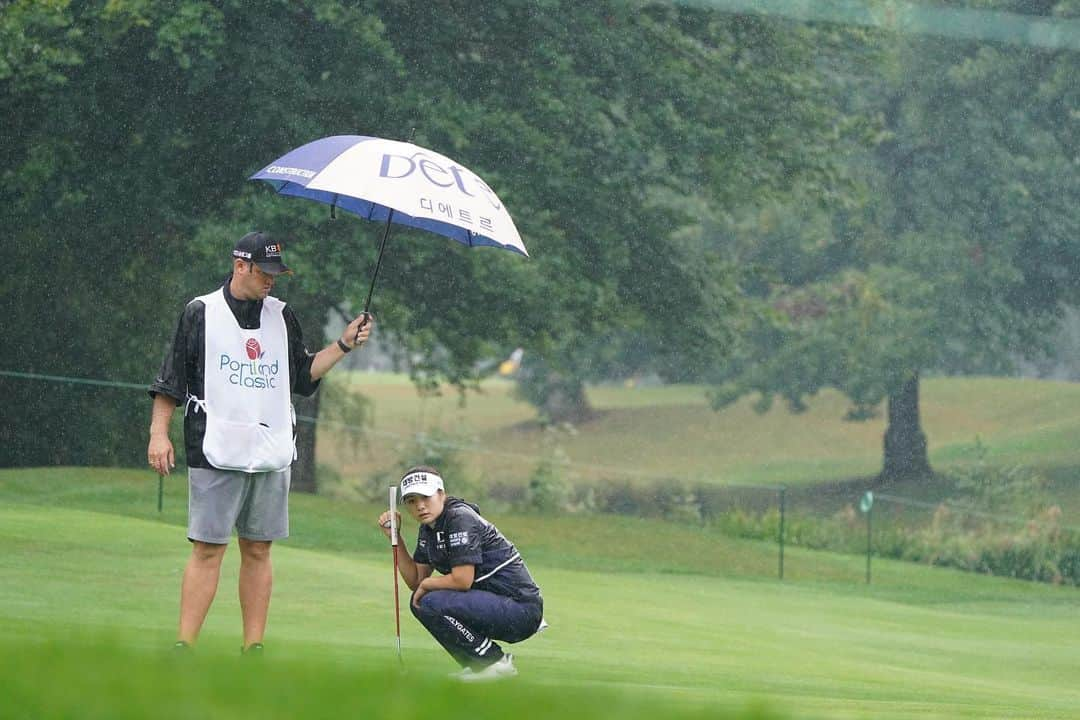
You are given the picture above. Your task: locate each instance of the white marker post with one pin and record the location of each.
(393, 550)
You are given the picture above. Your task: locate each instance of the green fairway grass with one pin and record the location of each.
(671, 432)
(648, 619)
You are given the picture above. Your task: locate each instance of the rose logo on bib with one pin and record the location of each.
(254, 352)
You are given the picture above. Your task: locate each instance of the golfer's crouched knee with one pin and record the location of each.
(429, 605)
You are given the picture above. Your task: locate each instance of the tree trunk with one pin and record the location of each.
(303, 470)
(566, 401)
(905, 442)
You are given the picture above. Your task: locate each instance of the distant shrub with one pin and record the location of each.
(1038, 550)
(549, 489)
(620, 497)
(1012, 489)
(506, 494)
(740, 523)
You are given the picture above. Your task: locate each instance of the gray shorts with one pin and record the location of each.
(256, 504)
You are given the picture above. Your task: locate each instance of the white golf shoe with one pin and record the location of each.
(459, 674)
(498, 670)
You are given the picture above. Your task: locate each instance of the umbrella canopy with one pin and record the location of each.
(392, 181)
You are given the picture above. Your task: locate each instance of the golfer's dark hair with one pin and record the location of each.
(421, 468)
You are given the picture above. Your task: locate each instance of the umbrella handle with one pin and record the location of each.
(366, 316)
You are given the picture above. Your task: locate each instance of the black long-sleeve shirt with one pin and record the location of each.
(182, 369)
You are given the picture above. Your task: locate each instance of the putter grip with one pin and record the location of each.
(393, 515)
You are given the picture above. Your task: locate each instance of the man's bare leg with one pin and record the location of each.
(256, 583)
(198, 588)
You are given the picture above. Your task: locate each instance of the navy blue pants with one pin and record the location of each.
(467, 623)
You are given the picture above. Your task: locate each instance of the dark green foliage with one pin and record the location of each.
(125, 140)
(132, 127)
(707, 196)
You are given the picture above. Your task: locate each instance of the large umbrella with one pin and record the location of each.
(395, 182)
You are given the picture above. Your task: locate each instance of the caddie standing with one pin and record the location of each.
(237, 357)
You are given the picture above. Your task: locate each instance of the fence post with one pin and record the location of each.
(783, 492)
(867, 506)
(869, 541)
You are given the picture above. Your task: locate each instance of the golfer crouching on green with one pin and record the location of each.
(484, 592)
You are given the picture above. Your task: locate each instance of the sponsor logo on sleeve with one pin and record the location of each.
(459, 538)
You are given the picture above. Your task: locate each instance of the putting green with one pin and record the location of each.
(683, 643)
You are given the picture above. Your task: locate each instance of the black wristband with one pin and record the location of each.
(344, 348)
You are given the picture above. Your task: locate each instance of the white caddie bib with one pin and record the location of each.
(247, 393)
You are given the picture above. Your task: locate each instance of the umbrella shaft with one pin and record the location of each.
(378, 263)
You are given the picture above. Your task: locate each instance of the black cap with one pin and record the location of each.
(263, 250)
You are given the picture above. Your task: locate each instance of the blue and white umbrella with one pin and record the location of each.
(395, 182)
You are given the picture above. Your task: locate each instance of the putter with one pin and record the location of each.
(393, 551)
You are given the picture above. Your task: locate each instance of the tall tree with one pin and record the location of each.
(960, 255)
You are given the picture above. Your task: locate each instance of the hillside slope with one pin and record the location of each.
(671, 432)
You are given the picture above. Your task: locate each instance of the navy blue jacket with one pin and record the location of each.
(461, 536)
